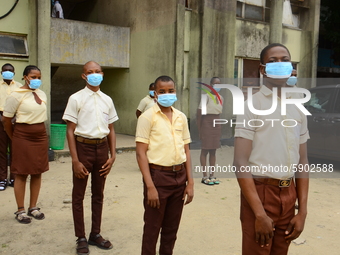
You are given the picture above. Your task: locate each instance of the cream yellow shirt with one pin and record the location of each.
(166, 140)
(146, 103)
(92, 112)
(213, 107)
(6, 89)
(273, 145)
(22, 104)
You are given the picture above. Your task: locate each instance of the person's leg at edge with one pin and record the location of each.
(35, 185)
(19, 191)
(153, 219)
(78, 193)
(3, 153)
(97, 187)
(171, 220)
(203, 161)
(249, 245)
(212, 161)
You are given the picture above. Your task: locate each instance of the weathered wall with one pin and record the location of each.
(75, 42)
(152, 52)
(215, 30)
(251, 38)
(18, 22)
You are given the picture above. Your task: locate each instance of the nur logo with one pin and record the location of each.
(218, 101)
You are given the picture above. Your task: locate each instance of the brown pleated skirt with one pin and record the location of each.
(210, 135)
(29, 149)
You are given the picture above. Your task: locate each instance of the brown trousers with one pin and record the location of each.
(5, 142)
(279, 204)
(170, 186)
(93, 158)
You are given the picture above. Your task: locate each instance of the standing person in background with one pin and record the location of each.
(210, 136)
(163, 156)
(57, 10)
(29, 141)
(90, 134)
(7, 85)
(291, 82)
(147, 102)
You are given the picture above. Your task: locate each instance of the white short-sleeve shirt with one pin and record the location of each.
(92, 112)
(275, 138)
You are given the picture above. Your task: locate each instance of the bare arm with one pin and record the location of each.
(79, 169)
(106, 168)
(8, 126)
(143, 163)
(263, 224)
(138, 113)
(189, 190)
(297, 224)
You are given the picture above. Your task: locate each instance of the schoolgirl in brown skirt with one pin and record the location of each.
(210, 135)
(29, 141)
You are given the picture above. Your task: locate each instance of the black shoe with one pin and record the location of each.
(11, 183)
(3, 185)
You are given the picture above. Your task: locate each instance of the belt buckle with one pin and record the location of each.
(173, 168)
(285, 183)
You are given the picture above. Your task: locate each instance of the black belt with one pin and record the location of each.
(90, 141)
(282, 183)
(173, 168)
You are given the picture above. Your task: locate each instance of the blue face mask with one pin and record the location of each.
(35, 84)
(166, 100)
(291, 81)
(152, 93)
(94, 79)
(279, 70)
(217, 89)
(7, 75)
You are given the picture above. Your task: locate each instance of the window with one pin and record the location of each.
(319, 101)
(253, 10)
(13, 45)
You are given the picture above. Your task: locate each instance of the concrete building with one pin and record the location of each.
(136, 41)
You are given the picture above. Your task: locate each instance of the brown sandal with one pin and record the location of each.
(82, 246)
(22, 217)
(35, 213)
(100, 242)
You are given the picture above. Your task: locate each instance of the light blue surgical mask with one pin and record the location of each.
(217, 89)
(292, 80)
(166, 100)
(34, 84)
(94, 79)
(279, 70)
(7, 75)
(152, 93)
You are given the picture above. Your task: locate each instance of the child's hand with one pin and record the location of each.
(106, 168)
(79, 170)
(153, 199)
(189, 194)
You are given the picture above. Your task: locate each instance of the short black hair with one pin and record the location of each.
(268, 47)
(8, 64)
(213, 79)
(151, 85)
(29, 68)
(164, 78)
